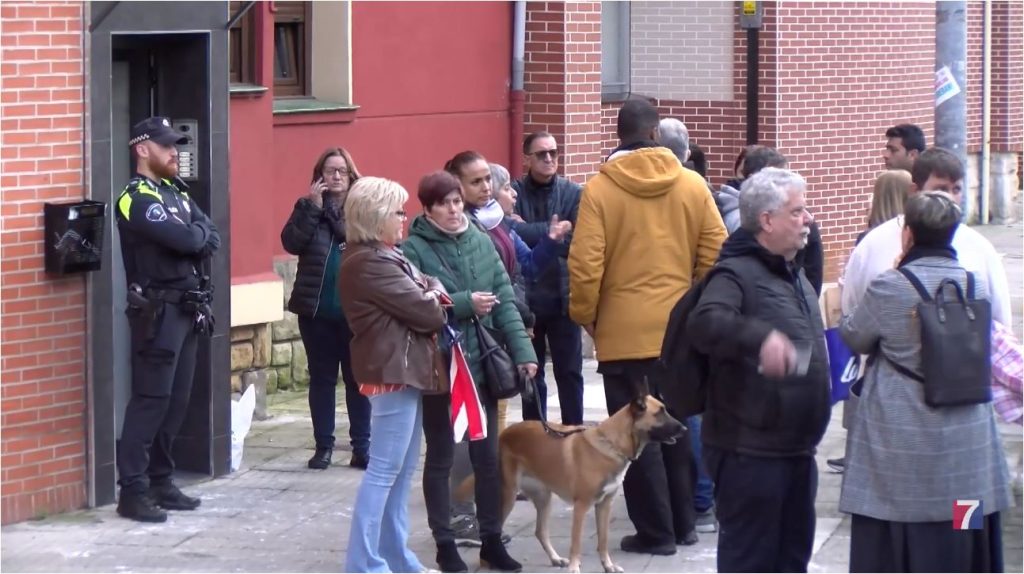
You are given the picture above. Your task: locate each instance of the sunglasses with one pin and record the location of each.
(544, 153)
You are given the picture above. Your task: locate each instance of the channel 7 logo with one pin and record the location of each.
(968, 515)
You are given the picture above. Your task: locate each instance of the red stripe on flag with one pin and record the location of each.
(467, 411)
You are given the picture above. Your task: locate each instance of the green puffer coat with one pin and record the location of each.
(476, 266)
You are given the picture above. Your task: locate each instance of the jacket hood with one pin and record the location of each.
(727, 199)
(646, 172)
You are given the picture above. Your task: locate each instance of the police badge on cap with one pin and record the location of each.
(157, 129)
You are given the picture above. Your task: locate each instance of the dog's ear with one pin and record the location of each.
(640, 392)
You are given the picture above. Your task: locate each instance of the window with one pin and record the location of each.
(614, 49)
(242, 45)
(292, 39)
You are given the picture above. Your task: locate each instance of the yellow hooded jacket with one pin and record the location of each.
(647, 229)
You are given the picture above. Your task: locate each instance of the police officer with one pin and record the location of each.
(164, 239)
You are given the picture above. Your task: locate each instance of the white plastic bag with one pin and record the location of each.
(241, 421)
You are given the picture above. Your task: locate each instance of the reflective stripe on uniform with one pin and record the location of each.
(124, 203)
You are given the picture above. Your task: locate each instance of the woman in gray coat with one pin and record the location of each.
(908, 463)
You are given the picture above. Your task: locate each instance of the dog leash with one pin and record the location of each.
(532, 383)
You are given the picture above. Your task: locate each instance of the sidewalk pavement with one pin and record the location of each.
(276, 515)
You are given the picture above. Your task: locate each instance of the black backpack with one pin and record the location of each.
(687, 370)
(956, 342)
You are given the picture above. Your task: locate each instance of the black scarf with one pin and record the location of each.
(335, 218)
(920, 251)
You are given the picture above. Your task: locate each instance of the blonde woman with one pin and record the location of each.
(891, 189)
(394, 312)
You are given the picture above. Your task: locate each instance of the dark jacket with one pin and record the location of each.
(548, 293)
(164, 235)
(392, 317)
(754, 292)
(311, 233)
(812, 259)
(465, 264)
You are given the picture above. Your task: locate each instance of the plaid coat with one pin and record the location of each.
(906, 461)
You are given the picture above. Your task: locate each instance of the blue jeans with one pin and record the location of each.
(704, 491)
(379, 531)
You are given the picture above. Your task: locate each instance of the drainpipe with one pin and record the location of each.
(951, 58)
(517, 96)
(986, 114)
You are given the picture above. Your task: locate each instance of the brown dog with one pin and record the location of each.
(585, 468)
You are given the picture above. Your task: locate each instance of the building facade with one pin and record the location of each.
(403, 86)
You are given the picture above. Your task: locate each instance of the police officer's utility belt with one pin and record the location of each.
(178, 296)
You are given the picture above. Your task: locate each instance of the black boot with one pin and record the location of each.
(321, 458)
(168, 496)
(448, 559)
(494, 556)
(137, 505)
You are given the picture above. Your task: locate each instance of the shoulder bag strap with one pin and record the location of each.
(970, 286)
(440, 258)
(916, 283)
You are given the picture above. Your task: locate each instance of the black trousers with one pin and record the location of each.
(327, 347)
(765, 510)
(566, 341)
(437, 430)
(886, 546)
(162, 370)
(659, 485)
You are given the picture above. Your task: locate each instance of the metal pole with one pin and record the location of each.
(951, 81)
(753, 85)
(985, 178)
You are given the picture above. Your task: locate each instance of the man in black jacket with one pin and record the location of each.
(543, 194)
(768, 392)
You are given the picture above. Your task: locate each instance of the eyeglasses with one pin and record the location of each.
(401, 214)
(336, 171)
(544, 153)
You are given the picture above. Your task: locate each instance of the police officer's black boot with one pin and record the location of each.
(137, 505)
(168, 496)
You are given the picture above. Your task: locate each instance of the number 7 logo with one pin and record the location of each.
(968, 515)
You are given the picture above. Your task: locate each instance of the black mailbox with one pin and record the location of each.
(73, 235)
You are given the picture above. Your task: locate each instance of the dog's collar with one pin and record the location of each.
(613, 449)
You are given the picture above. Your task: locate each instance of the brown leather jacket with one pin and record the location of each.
(393, 318)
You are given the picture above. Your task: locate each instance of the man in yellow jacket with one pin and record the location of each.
(647, 229)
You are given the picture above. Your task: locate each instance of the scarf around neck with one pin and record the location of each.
(490, 215)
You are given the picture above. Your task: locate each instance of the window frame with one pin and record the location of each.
(245, 27)
(617, 88)
(300, 14)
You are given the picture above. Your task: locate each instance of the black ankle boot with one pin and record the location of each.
(321, 458)
(494, 556)
(448, 559)
(137, 505)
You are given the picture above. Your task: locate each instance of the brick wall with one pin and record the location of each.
(1008, 77)
(563, 80)
(843, 78)
(975, 13)
(42, 393)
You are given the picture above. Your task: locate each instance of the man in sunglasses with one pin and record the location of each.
(544, 194)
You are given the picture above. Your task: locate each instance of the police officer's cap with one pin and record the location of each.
(157, 129)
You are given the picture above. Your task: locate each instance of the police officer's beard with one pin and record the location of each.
(164, 170)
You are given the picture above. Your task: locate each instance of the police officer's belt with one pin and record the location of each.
(176, 296)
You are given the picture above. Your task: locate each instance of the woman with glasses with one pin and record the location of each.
(316, 233)
(444, 244)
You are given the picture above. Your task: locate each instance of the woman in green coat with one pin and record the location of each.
(444, 244)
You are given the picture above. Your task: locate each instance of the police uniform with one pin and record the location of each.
(164, 239)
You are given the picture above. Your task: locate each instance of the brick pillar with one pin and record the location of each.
(43, 337)
(563, 81)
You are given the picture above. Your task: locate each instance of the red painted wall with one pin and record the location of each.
(430, 79)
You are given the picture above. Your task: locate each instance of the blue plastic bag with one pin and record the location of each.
(843, 364)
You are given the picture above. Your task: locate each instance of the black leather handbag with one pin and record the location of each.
(502, 379)
(956, 342)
